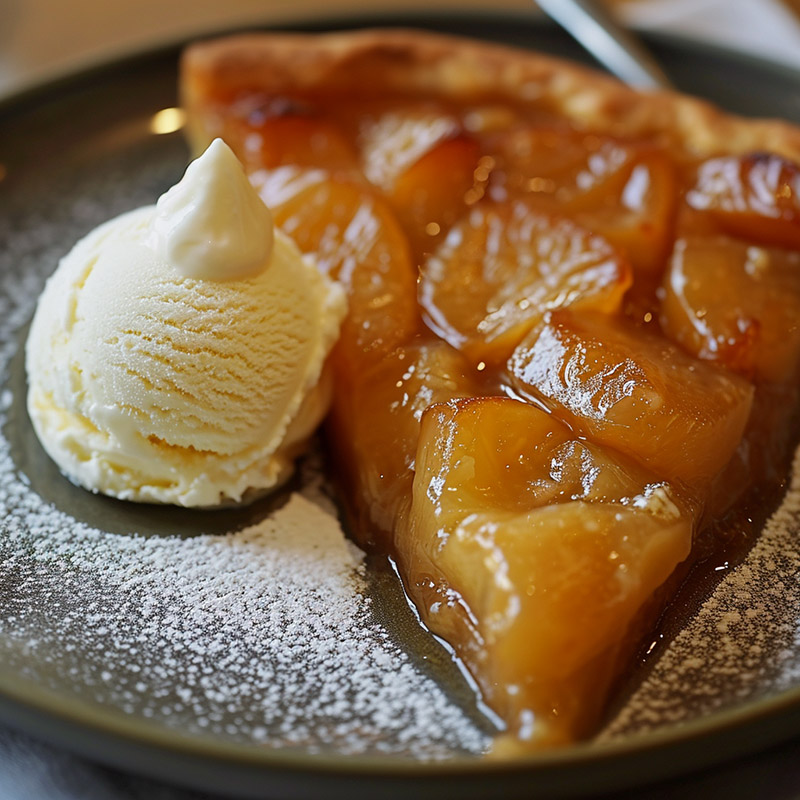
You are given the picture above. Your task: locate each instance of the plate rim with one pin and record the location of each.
(632, 761)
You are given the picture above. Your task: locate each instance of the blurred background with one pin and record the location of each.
(43, 38)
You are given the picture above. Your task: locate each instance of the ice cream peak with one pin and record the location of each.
(213, 225)
(149, 384)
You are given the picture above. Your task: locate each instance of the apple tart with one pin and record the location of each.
(573, 338)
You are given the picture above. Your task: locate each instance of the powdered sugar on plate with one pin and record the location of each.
(265, 634)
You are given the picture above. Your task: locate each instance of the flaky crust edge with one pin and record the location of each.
(419, 62)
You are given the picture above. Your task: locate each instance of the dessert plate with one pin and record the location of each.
(253, 650)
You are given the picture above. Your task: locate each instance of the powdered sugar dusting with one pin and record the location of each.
(264, 634)
(743, 644)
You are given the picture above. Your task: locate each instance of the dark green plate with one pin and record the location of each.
(78, 151)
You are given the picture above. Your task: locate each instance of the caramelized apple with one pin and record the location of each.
(427, 166)
(545, 161)
(432, 194)
(277, 131)
(625, 191)
(737, 304)
(640, 219)
(302, 140)
(755, 197)
(532, 552)
(502, 267)
(636, 392)
(375, 427)
(397, 139)
(357, 241)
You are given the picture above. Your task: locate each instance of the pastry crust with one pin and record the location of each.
(413, 62)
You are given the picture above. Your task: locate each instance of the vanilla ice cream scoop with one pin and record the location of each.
(177, 354)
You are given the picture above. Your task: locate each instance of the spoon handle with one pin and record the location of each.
(615, 48)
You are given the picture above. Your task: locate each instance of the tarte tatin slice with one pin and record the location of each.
(573, 343)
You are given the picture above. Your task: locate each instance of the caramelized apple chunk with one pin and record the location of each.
(625, 191)
(427, 165)
(357, 241)
(736, 304)
(437, 190)
(532, 552)
(396, 139)
(375, 426)
(640, 219)
(502, 267)
(636, 392)
(276, 131)
(755, 197)
(557, 165)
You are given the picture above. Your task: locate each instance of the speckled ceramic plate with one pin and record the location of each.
(175, 644)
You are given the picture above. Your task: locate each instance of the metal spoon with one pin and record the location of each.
(619, 51)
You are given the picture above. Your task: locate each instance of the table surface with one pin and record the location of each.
(39, 38)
